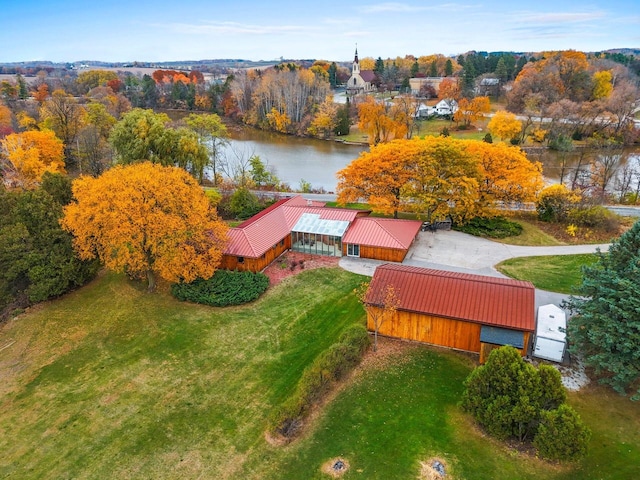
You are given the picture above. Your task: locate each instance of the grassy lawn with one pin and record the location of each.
(111, 382)
(111, 379)
(531, 236)
(554, 273)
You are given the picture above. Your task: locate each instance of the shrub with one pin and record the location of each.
(561, 435)
(496, 227)
(223, 289)
(507, 395)
(555, 202)
(317, 378)
(595, 217)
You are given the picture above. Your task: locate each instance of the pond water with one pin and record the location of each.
(317, 161)
(293, 158)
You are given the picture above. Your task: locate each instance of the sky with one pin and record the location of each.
(153, 31)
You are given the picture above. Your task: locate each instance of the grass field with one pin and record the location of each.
(554, 273)
(112, 382)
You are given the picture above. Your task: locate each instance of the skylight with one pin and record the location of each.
(312, 223)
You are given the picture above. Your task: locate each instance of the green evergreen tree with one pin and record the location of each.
(415, 69)
(333, 74)
(378, 68)
(562, 435)
(510, 64)
(149, 92)
(468, 79)
(433, 69)
(343, 123)
(448, 68)
(23, 90)
(507, 395)
(37, 261)
(605, 329)
(501, 70)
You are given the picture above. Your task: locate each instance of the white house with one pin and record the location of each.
(447, 106)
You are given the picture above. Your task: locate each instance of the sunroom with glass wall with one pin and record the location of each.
(318, 236)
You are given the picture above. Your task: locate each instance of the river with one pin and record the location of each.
(316, 161)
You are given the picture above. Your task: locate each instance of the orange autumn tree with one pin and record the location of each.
(28, 155)
(377, 177)
(438, 177)
(507, 175)
(146, 220)
(470, 111)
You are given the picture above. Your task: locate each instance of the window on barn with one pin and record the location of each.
(353, 250)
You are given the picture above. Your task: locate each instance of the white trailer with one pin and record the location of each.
(551, 337)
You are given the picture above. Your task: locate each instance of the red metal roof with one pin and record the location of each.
(382, 232)
(491, 301)
(258, 234)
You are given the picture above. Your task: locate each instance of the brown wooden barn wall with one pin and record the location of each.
(452, 333)
(379, 253)
(230, 262)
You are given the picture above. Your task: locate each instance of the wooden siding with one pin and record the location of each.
(446, 332)
(231, 262)
(379, 253)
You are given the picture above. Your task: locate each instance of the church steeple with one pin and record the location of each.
(356, 64)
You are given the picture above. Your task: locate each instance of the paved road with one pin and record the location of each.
(459, 252)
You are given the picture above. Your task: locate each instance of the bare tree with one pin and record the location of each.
(380, 304)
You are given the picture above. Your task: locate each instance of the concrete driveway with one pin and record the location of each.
(459, 252)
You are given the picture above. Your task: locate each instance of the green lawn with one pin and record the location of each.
(554, 273)
(112, 382)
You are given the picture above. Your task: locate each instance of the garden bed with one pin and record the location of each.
(282, 268)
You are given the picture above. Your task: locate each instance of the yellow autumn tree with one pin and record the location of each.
(146, 220)
(506, 174)
(381, 121)
(504, 125)
(602, 84)
(279, 121)
(325, 119)
(28, 155)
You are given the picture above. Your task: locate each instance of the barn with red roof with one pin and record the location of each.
(306, 226)
(474, 313)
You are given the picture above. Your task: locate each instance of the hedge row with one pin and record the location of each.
(316, 380)
(496, 227)
(223, 289)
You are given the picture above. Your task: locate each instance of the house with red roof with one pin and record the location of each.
(310, 227)
(473, 313)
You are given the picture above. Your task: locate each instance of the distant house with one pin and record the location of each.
(446, 107)
(473, 313)
(488, 86)
(417, 83)
(360, 81)
(424, 111)
(310, 227)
